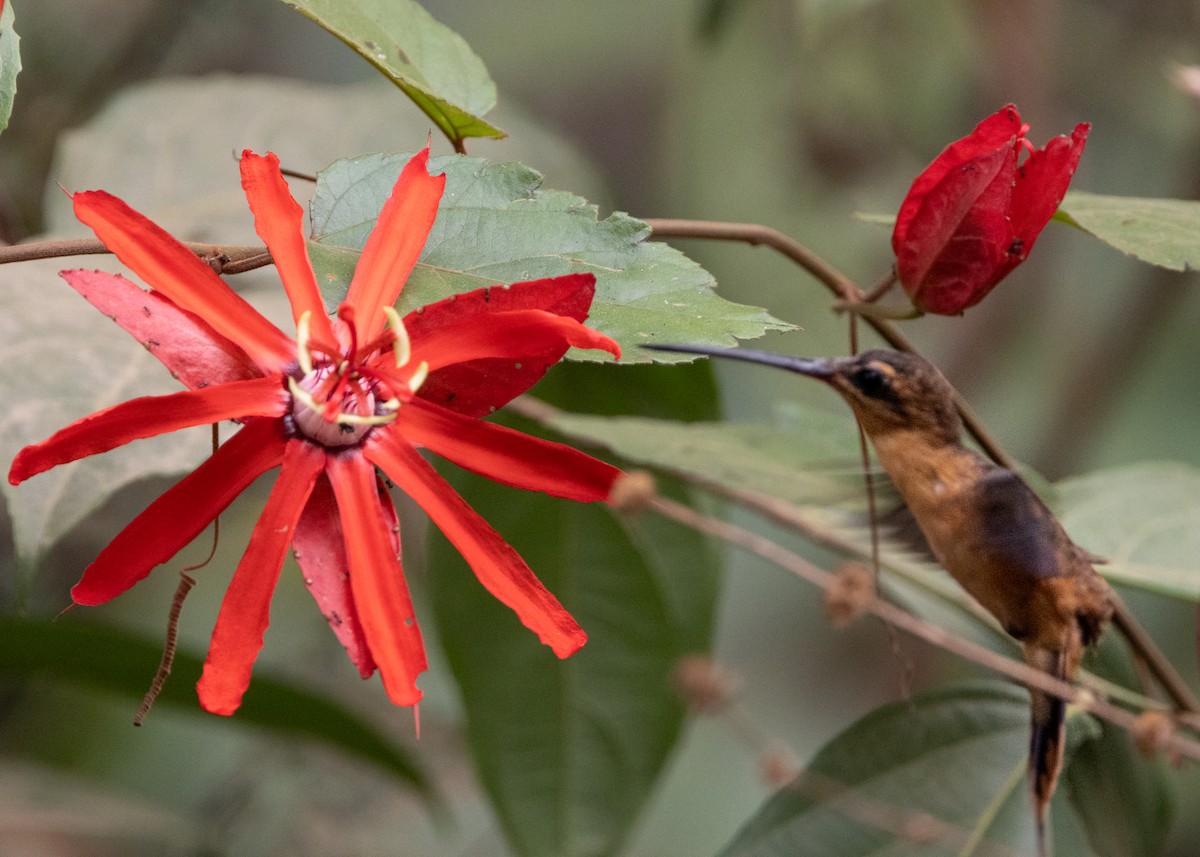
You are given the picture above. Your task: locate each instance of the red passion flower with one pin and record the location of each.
(974, 213)
(349, 397)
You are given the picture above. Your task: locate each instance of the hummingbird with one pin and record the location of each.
(982, 522)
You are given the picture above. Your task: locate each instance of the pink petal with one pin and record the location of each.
(169, 267)
(395, 244)
(178, 516)
(279, 222)
(245, 611)
(150, 416)
(183, 342)
(320, 551)
(377, 583)
(478, 387)
(504, 455)
(497, 565)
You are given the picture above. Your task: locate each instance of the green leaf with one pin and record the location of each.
(1163, 232)
(10, 63)
(1145, 519)
(808, 460)
(941, 774)
(49, 332)
(119, 662)
(569, 751)
(496, 225)
(430, 63)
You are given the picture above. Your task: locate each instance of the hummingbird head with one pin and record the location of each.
(887, 390)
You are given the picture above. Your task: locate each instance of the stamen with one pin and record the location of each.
(402, 347)
(418, 377)
(302, 336)
(305, 398)
(365, 419)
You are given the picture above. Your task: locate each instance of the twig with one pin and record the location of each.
(838, 283)
(907, 622)
(228, 259)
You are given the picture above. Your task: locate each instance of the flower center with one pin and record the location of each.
(346, 391)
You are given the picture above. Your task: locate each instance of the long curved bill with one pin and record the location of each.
(813, 367)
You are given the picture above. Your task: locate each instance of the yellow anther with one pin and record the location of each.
(305, 398)
(302, 336)
(365, 419)
(418, 377)
(402, 347)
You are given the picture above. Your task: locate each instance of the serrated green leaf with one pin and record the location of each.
(496, 225)
(1145, 519)
(569, 751)
(10, 63)
(430, 63)
(119, 662)
(941, 774)
(49, 332)
(1163, 232)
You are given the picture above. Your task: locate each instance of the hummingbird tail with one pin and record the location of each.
(1047, 735)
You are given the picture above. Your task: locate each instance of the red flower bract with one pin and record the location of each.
(351, 396)
(974, 213)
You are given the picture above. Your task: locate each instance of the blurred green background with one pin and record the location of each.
(792, 114)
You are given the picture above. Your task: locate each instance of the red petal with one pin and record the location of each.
(507, 335)
(320, 551)
(183, 342)
(504, 455)
(497, 565)
(570, 295)
(1042, 183)
(479, 387)
(169, 267)
(995, 133)
(395, 244)
(150, 416)
(381, 597)
(961, 231)
(245, 611)
(178, 516)
(279, 222)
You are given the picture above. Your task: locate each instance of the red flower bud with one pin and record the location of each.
(975, 212)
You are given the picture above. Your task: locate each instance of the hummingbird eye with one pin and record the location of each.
(871, 382)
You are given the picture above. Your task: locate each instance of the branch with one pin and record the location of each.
(838, 283)
(224, 259)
